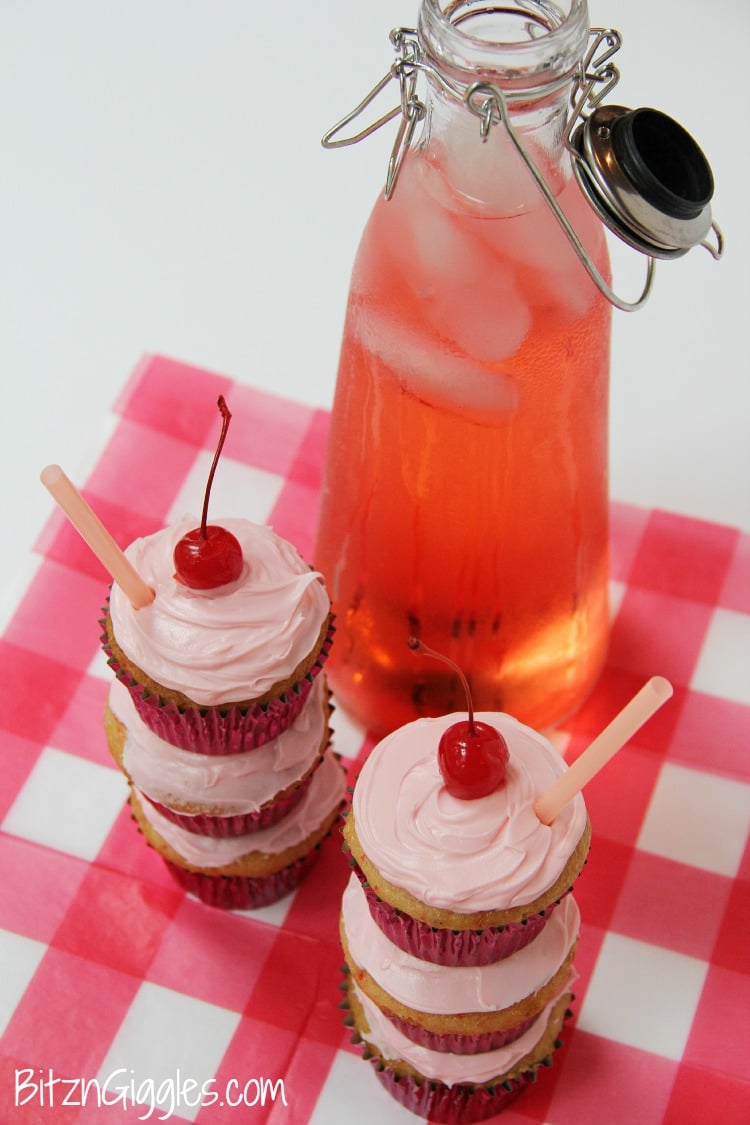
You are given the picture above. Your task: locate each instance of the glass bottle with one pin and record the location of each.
(465, 497)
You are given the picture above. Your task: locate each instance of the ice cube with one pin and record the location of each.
(434, 369)
(487, 320)
(425, 239)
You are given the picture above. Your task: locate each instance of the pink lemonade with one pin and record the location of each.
(465, 499)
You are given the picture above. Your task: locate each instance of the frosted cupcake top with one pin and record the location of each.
(492, 853)
(324, 795)
(452, 990)
(441, 1066)
(230, 643)
(222, 784)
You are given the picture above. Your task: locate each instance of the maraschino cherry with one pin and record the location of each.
(209, 555)
(472, 755)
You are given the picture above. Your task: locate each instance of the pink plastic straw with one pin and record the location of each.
(632, 717)
(93, 531)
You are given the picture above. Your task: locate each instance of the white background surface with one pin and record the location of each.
(163, 189)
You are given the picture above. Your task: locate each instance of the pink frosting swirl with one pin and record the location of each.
(231, 643)
(487, 854)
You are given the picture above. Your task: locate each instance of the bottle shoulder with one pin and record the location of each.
(426, 228)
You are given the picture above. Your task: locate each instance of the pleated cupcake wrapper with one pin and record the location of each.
(239, 824)
(459, 1044)
(241, 892)
(462, 948)
(451, 1105)
(216, 730)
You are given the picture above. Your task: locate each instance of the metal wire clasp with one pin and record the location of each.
(404, 69)
(596, 78)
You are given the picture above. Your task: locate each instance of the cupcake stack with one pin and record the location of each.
(457, 926)
(219, 712)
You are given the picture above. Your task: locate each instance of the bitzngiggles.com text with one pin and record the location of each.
(157, 1099)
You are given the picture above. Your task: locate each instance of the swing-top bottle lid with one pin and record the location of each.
(647, 178)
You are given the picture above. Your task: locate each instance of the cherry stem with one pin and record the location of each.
(225, 414)
(415, 644)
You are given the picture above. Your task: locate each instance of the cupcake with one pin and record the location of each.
(223, 669)
(458, 927)
(219, 795)
(462, 882)
(252, 870)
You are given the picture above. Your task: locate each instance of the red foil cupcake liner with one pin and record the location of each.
(240, 824)
(462, 948)
(457, 1044)
(241, 892)
(212, 730)
(452, 1105)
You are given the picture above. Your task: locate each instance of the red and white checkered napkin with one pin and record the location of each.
(111, 977)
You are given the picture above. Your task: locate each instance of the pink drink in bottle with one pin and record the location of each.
(465, 497)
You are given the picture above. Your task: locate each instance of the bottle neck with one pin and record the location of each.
(532, 52)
